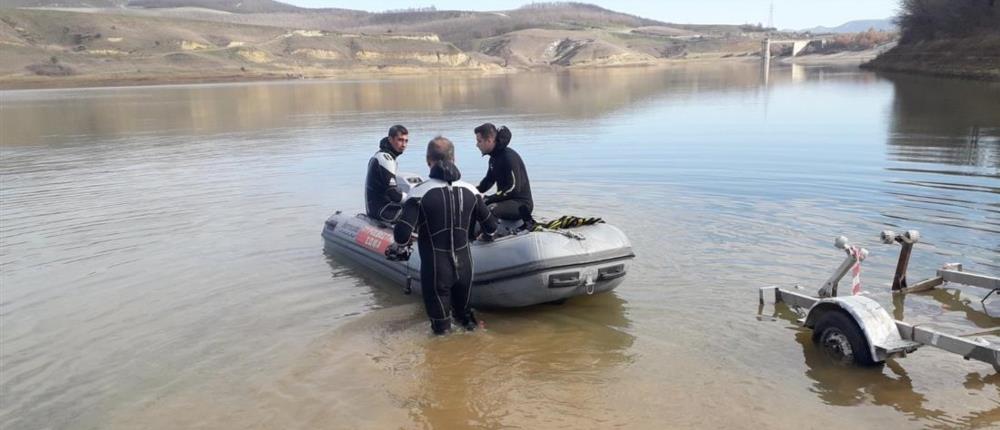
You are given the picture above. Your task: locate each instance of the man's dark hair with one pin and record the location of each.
(440, 149)
(487, 130)
(397, 130)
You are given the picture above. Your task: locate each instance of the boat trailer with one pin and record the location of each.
(856, 329)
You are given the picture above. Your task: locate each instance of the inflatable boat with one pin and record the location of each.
(521, 268)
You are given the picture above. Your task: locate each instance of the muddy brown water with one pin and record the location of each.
(162, 265)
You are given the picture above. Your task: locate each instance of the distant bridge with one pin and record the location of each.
(797, 47)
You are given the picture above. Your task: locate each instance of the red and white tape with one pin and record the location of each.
(856, 270)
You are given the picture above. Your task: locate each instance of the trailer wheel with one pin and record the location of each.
(842, 340)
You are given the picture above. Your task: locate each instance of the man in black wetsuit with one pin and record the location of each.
(382, 196)
(442, 210)
(507, 172)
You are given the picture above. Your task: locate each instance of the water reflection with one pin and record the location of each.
(945, 121)
(529, 364)
(847, 386)
(889, 385)
(969, 309)
(210, 109)
(383, 292)
(134, 218)
(944, 151)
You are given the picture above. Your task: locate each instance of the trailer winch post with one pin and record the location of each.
(906, 240)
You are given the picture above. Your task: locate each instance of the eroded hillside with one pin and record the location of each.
(152, 40)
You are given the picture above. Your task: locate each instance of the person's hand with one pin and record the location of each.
(397, 252)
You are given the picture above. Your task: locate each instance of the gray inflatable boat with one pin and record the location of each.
(520, 269)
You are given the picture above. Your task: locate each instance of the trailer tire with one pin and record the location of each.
(841, 339)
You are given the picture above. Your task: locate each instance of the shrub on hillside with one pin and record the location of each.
(858, 41)
(922, 20)
(51, 68)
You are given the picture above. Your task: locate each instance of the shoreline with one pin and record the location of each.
(106, 81)
(972, 59)
(842, 57)
(952, 71)
(110, 80)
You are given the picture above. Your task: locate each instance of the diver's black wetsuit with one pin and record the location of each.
(382, 197)
(507, 171)
(441, 210)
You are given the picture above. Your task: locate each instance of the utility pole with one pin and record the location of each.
(770, 17)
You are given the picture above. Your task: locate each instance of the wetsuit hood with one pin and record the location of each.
(445, 171)
(386, 147)
(501, 141)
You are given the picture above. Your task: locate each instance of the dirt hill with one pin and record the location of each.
(47, 44)
(234, 6)
(63, 3)
(250, 39)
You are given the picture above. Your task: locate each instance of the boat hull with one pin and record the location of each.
(518, 270)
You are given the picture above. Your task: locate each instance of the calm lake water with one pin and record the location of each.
(162, 265)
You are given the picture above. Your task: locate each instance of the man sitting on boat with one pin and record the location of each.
(442, 211)
(382, 196)
(512, 200)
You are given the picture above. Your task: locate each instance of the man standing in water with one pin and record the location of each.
(442, 210)
(513, 198)
(382, 196)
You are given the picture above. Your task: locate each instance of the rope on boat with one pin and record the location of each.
(566, 221)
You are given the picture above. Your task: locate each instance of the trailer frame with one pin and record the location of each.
(876, 336)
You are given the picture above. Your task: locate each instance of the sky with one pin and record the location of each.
(788, 14)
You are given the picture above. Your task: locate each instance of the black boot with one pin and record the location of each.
(526, 219)
(469, 321)
(441, 326)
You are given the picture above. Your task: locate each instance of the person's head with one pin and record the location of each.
(486, 138)
(399, 137)
(440, 149)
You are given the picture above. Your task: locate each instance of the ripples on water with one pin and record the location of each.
(162, 267)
